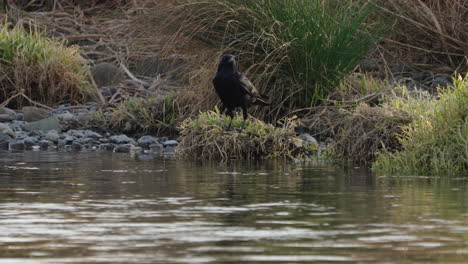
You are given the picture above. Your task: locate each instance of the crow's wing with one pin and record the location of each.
(247, 87)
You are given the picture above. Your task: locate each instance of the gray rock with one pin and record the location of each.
(44, 144)
(53, 136)
(309, 139)
(169, 150)
(170, 143)
(51, 123)
(87, 140)
(107, 74)
(29, 142)
(4, 140)
(157, 147)
(123, 148)
(146, 141)
(32, 113)
(5, 128)
(108, 91)
(16, 146)
(107, 146)
(76, 133)
(92, 134)
(7, 115)
(139, 150)
(88, 146)
(21, 134)
(76, 146)
(61, 143)
(122, 139)
(65, 116)
(69, 140)
(104, 140)
(19, 116)
(38, 133)
(16, 126)
(162, 139)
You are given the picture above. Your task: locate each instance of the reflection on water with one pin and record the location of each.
(111, 208)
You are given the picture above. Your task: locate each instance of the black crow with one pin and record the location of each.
(234, 89)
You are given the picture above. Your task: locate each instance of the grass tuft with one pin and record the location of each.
(154, 114)
(297, 50)
(364, 131)
(44, 70)
(206, 137)
(436, 141)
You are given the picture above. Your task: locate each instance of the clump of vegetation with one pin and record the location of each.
(150, 115)
(365, 130)
(436, 141)
(39, 69)
(206, 137)
(297, 50)
(358, 119)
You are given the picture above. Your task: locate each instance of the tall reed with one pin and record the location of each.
(296, 50)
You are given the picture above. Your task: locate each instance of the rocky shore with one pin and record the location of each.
(38, 129)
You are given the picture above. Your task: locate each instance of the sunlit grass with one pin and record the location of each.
(436, 141)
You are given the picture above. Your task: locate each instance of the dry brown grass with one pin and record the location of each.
(37, 69)
(47, 5)
(366, 130)
(430, 34)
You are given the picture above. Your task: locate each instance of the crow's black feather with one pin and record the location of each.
(234, 89)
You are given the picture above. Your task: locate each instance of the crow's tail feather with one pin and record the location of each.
(261, 100)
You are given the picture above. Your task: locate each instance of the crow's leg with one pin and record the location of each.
(245, 114)
(231, 115)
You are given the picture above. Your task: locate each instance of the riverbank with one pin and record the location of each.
(64, 129)
(142, 79)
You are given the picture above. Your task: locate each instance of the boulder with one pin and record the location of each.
(146, 141)
(16, 146)
(309, 139)
(32, 113)
(92, 134)
(5, 128)
(7, 115)
(51, 123)
(53, 136)
(122, 139)
(4, 140)
(107, 146)
(170, 143)
(29, 142)
(123, 148)
(156, 148)
(107, 74)
(76, 146)
(44, 144)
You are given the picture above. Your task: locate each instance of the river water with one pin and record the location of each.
(111, 208)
